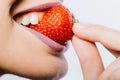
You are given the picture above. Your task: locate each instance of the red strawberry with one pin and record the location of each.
(56, 24)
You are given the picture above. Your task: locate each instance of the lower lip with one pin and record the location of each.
(52, 44)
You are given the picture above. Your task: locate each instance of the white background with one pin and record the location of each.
(105, 12)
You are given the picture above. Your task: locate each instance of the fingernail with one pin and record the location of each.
(81, 25)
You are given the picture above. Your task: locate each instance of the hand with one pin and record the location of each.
(83, 42)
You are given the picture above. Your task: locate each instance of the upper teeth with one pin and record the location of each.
(30, 18)
(25, 20)
(34, 19)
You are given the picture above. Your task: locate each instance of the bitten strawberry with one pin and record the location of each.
(56, 24)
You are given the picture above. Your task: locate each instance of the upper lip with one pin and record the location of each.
(41, 8)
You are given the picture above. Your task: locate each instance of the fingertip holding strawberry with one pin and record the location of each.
(56, 24)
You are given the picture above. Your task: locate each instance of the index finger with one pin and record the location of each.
(98, 33)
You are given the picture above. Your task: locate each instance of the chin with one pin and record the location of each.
(53, 70)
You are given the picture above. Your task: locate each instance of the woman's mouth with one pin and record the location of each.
(31, 17)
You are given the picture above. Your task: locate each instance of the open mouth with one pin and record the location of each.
(31, 17)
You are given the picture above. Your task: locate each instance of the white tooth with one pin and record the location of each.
(34, 19)
(25, 20)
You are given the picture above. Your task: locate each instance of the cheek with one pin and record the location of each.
(30, 57)
(23, 41)
(19, 45)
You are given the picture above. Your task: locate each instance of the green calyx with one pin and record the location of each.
(75, 21)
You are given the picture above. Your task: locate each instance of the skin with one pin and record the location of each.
(18, 54)
(21, 53)
(86, 35)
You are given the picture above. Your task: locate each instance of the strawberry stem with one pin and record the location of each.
(75, 21)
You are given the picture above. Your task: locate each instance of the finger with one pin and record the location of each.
(115, 53)
(115, 75)
(98, 33)
(112, 72)
(90, 60)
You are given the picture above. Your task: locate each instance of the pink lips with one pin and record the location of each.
(52, 44)
(40, 8)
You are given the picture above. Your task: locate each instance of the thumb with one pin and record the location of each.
(89, 58)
